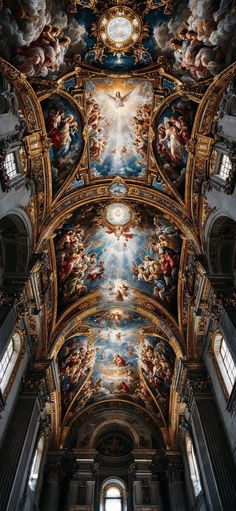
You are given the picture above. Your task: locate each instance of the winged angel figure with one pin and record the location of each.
(120, 100)
(121, 119)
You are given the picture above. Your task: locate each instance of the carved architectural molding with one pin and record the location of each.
(193, 381)
(174, 467)
(41, 380)
(5, 145)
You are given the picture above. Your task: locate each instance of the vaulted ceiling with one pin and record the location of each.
(118, 88)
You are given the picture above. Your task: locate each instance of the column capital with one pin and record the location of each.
(174, 466)
(193, 381)
(41, 379)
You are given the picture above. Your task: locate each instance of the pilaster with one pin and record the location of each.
(175, 477)
(17, 450)
(146, 494)
(213, 452)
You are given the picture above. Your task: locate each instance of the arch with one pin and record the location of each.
(155, 199)
(142, 428)
(15, 244)
(70, 324)
(113, 495)
(160, 434)
(222, 249)
(107, 425)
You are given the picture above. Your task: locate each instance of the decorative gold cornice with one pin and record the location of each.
(139, 193)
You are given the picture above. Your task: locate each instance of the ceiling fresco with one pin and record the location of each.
(119, 90)
(75, 360)
(118, 118)
(43, 38)
(172, 133)
(120, 249)
(122, 361)
(64, 128)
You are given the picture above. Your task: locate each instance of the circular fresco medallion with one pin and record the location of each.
(119, 28)
(118, 213)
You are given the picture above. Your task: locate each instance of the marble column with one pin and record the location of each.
(155, 495)
(175, 477)
(51, 490)
(215, 460)
(137, 493)
(20, 440)
(144, 488)
(73, 493)
(17, 450)
(85, 476)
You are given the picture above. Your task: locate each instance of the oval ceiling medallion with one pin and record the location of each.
(118, 213)
(119, 28)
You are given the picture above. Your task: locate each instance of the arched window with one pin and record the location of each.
(113, 495)
(193, 468)
(222, 254)
(221, 164)
(9, 360)
(225, 362)
(10, 164)
(36, 463)
(225, 166)
(113, 500)
(14, 253)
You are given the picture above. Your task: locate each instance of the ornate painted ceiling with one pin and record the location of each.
(115, 96)
(44, 38)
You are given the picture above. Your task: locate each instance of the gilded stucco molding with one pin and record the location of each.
(37, 167)
(139, 193)
(60, 92)
(202, 148)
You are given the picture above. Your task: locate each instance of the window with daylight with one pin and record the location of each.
(8, 360)
(193, 468)
(225, 362)
(113, 495)
(225, 167)
(35, 467)
(113, 500)
(11, 165)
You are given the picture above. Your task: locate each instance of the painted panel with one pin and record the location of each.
(118, 117)
(126, 363)
(172, 133)
(156, 359)
(64, 129)
(119, 249)
(75, 360)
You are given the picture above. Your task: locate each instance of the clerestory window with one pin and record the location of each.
(225, 362)
(193, 467)
(9, 359)
(225, 167)
(113, 501)
(10, 164)
(113, 495)
(36, 463)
